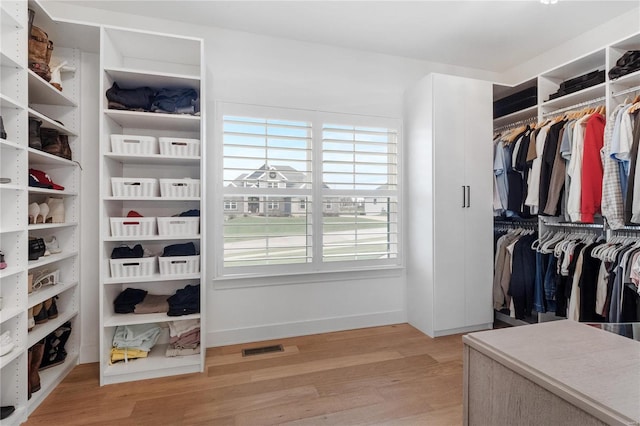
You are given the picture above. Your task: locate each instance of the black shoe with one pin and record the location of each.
(6, 411)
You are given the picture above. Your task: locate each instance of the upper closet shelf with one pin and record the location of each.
(49, 123)
(41, 92)
(156, 121)
(628, 81)
(9, 62)
(154, 159)
(131, 78)
(575, 98)
(7, 102)
(9, 20)
(516, 116)
(41, 157)
(6, 144)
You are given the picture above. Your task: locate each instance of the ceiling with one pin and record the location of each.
(489, 35)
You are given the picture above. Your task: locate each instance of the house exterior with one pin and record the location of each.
(285, 177)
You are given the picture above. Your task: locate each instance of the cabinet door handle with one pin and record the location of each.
(464, 197)
(468, 196)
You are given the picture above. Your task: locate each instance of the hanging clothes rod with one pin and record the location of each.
(575, 225)
(517, 123)
(626, 91)
(627, 228)
(576, 106)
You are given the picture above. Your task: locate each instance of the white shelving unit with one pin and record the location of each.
(611, 93)
(57, 110)
(24, 94)
(13, 199)
(137, 59)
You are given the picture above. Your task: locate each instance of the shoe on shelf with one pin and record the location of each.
(37, 353)
(6, 343)
(34, 212)
(52, 245)
(30, 283)
(3, 264)
(46, 277)
(56, 210)
(31, 322)
(6, 411)
(44, 213)
(36, 248)
(40, 314)
(51, 307)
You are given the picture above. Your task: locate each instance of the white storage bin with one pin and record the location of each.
(134, 187)
(133, 226)
(177, 265)
(176, 226)
(134, 145)
(179, 147)
(138, 267)
(179, 187)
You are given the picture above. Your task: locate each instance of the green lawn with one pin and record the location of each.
(245, 227)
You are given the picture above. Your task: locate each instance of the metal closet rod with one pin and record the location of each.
(575, 225)
(576, 106)
(517, 123)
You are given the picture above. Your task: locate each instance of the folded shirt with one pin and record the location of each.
(127, 300)
(152, 303)
(140, 336)
(172, 351)
(177, 328)
(125, 354)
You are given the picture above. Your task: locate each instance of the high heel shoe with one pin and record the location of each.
(34, 211)
(44, 212)
(56, 210)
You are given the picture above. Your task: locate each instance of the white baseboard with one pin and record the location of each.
(302, 328)
(462, 330)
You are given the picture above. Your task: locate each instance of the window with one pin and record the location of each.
(230, 205)
(276, 162)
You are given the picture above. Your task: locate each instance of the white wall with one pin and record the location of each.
(249, 68)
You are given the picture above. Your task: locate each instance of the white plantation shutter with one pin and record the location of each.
(360, 176)
(267, 173)
(305, 191)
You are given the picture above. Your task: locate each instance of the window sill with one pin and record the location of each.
(266, 280)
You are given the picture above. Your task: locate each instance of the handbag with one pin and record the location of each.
(40, 49)
(55, 143)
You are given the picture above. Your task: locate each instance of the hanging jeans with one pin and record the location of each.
(550, 284)
(538, 287)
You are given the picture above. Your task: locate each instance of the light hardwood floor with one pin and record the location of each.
(382, 375)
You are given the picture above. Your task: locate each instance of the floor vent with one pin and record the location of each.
(262, 350)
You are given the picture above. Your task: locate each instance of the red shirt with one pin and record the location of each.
(592, 170)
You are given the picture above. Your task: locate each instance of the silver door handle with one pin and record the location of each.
(468, 196)
(464, 198)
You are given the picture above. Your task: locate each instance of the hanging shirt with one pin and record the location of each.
(548, 161)
(575, 170)
(534, 177)
(629, 200)
(612, 200)
(622, 144)
(592, 171)
(500, 173)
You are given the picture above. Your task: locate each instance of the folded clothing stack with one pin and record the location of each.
(186, 249)
(132, 300)
(184, 302)
(184, 338)
(126, 252)
(133, 341)
(168, 101)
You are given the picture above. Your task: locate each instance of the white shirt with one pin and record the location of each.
(574, 169)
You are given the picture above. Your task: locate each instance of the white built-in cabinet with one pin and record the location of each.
(135, 59)
(447, 123)
(24, 94)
